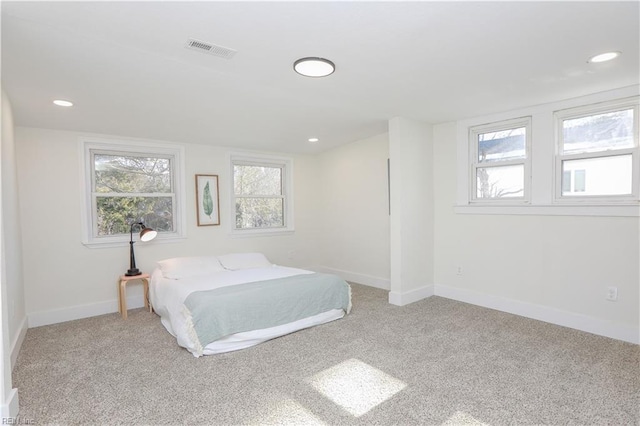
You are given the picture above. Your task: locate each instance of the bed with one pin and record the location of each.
(217, 304)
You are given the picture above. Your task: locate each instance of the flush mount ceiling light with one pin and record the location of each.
(603, 57)
(313, 139)
(63, 103)
(314, 67)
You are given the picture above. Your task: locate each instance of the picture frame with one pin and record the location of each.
(207, 200)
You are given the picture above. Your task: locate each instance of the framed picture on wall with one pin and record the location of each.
(207, 200)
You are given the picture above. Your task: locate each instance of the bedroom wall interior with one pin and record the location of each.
(341, 195)
(354, 214)
(12, 308)
(549, 267)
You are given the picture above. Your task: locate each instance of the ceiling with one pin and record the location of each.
(126, 68)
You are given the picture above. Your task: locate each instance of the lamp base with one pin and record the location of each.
(133, 272)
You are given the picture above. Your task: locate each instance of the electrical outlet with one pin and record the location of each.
(458, 270)
(612, 294)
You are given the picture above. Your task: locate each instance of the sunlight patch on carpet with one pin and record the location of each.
(286, 412)
(459, 419)
(356, 386)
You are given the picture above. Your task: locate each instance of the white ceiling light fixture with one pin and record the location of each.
(314, 67)
(603, 57)
(313, 139)
(63, 103)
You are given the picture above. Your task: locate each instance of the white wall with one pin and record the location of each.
(64, 279)
(12, 310)
(354, 211)
(554, 268)
(12, 233)
(412, 219)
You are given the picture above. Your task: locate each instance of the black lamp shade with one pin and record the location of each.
(147, 234)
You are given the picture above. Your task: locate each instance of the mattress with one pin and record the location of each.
(168, 295)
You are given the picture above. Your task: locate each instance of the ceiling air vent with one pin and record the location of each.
(212, 49)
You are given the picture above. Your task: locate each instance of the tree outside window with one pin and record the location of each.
(127, 182)
(132, 188)
(261, 194)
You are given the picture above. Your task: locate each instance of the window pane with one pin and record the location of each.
(600, 176)
(257, 180)
(502, 145)
(566, 181)
(500, 182)
(116, 214)
(580, 180)
(130, 174)
(259, 213)
(601, 132)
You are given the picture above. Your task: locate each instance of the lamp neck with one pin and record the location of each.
(131, 230)
(133, 271)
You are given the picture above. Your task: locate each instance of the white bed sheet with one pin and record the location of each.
(167, 297)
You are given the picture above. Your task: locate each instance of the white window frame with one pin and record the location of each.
(89, 146)
(584, 111)
(475, 164)
(286, 164)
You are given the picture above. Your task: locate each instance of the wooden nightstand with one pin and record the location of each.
(122, 292)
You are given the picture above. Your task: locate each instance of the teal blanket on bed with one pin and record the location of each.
(213, 314)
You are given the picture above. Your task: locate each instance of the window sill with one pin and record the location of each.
(113, 242)
(622, 210)
(248, 233)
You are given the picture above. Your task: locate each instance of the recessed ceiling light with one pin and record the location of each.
(603, 57)
(314, 67)
(63, 103)
(313, 139)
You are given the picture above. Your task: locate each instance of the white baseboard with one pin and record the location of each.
(9, 408)
(55, 316)
(17, 341)
(528, 310)
(542, 313)
(355, 277)
(401, 299)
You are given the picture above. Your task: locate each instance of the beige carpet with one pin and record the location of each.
(433, 362)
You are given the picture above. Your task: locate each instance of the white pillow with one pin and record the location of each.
(235, 261)
(185, 267)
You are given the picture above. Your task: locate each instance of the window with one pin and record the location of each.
(597, 149)
(575, 157)
(261, 194)
(500, 165)
(130, 182)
